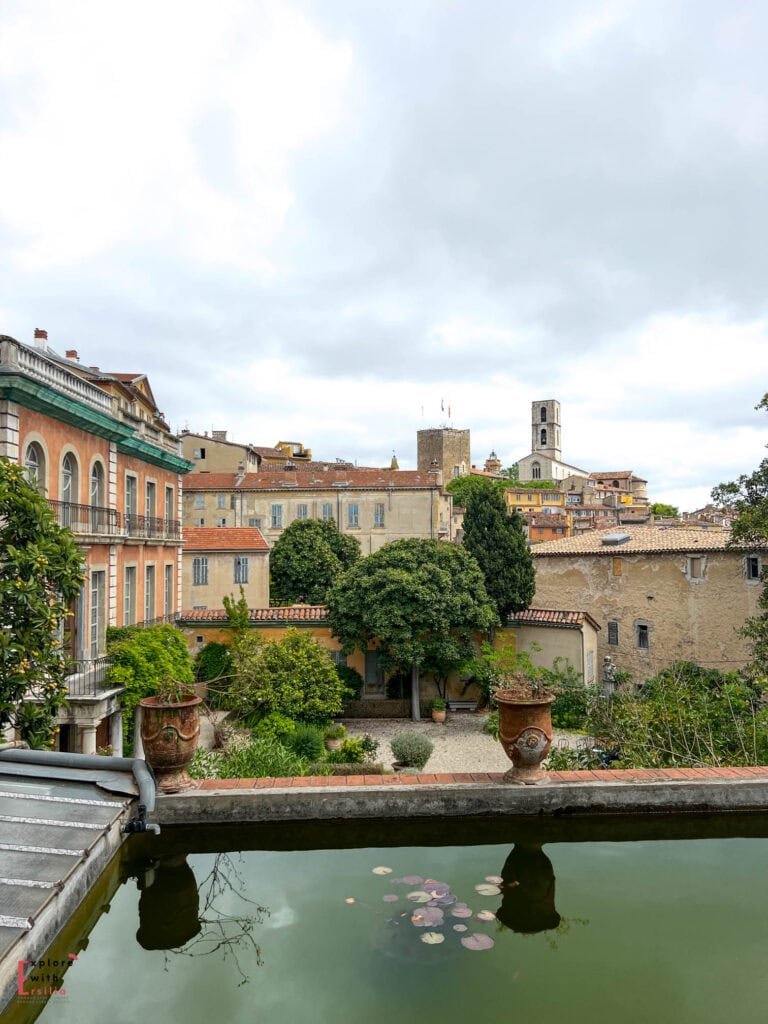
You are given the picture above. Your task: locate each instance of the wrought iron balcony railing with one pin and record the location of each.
(86, 518)
(87, 678)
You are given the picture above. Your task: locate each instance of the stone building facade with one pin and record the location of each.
(659, 594)
(97, 446)
(445, 449)
(374, 505)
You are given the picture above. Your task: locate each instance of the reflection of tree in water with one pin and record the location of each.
(179, 916)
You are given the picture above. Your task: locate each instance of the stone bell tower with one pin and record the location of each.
(545, 428)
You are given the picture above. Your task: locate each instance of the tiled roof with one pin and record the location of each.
(223, 538)
(291, 613)
(618, 475)
(551, 617)
(337, 479)
(642, 540)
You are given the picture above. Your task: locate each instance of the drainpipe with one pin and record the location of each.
(141, 771)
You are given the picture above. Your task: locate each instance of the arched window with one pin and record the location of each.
(535, 471)
(543, 437)
(34, 466)
(543, 414)
(69, 481)
(99, 518)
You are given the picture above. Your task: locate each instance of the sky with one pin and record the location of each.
(334, 221)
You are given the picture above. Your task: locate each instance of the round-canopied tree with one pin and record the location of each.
(41, 572)
(306, 559)
(418, 601)
(495, 537)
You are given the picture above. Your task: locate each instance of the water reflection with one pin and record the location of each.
(528, 891)
(180, 916)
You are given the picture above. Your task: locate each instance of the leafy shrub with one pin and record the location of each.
(306, 741)
(213, 664)
(141, 661)
(276, 726)
(355, 750)
(335, 732)
(411, 749)
(293, 675)
(261, 757)
(564, 759)
(570, 709)
(351, 680)
(492, 725)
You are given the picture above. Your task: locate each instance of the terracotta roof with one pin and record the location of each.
(292, 613)
(642, 540)
(551, 617)
(618, 475)
(224, 538)
(286, 482)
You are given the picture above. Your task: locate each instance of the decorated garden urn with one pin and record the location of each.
(525, 732)
(170, 732)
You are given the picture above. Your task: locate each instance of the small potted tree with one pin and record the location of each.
(525, 715)
(334, 737)
(439, 710)
(170, 731)
(410, 750)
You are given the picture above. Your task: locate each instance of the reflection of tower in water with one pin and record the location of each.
(528, 891)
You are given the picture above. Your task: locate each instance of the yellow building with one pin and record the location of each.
(216, 563)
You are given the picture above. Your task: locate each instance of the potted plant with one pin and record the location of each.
(439, 710)
(334, 737)
(410, 750)
(525, 716)
(170, 730)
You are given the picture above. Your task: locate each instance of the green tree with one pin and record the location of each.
(293, 676)
(41, 572)
(748, 497)
(511, 473)
(418, 601)
(306, 559)
(463, 487)
(659, 508)
(496, 538)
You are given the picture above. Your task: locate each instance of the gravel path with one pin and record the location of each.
(461, 745)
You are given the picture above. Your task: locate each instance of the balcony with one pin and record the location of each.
(151, 527)
(93, 519)
(88, 678)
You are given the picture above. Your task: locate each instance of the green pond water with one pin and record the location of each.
(646, 931)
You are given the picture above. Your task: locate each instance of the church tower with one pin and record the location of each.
(545, 429)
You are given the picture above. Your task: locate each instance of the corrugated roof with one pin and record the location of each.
(360, 479)
(224, 538)
(642, 540)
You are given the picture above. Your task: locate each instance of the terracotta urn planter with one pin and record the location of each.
(525, 732)
(332, 744)
(438, 715)
(170, 733)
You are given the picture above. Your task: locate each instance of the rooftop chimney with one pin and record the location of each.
(71, 353)
(219, 435)
(41, 338)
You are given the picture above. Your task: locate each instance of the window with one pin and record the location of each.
(129, 596)
(151, 499)
(221, 501)
(169, 509)
(613, 633)
(543, 437)
(200, 521)
(302, 511)
(535, 471)
(69, 479)
(277, 517)
(199, 501)
(149, 593)
(168, 591)
(338, 657)
(353, 515)
(34, 466)
(457, 471)
(753, 567)
(616, 566)
(255, 521)
(695, 567)
(543, 414)
(221, 520)
(327, 512)
(131, 495)
(199, 572)
(97, 623)
(642, 636)
(378, 514)
(97, 484)
(590, 667)
(241, 569)
(198, 453)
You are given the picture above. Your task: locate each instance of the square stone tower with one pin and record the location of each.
(445, 446)
(545, 428)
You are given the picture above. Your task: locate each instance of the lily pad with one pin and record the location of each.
(419, 896)
(427, 917)
(459, 927)
(390, 898)
(485, 915)
(381, 871)
(447, 900)
(412, 879)
(494, 879)
(437, 889)
(477, 941)
(461, 912)
(486, 889)
(432, 938)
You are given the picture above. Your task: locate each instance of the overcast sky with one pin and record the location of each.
(312, 221)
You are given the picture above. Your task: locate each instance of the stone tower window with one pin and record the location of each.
(535, 471)
(543, 414)
(543, 437)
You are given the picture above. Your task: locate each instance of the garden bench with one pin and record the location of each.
(462, 705)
